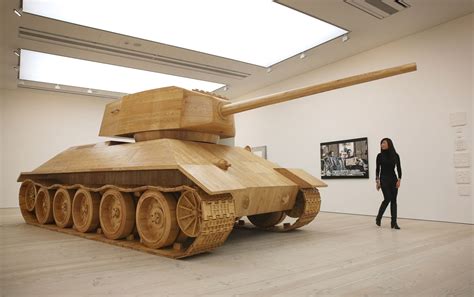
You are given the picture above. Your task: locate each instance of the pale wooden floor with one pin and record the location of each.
(337, 255)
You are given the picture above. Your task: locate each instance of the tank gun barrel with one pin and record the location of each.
(240, 106)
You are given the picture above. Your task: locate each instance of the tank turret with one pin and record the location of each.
(174, 192)
(173, 112)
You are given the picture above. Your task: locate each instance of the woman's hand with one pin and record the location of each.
(398, 183)
(377, 185)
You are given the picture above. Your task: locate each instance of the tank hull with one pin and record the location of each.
(257, 185)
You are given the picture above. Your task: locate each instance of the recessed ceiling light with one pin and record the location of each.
(54, 69)
(260, 32)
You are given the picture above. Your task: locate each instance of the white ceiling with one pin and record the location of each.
(366, 32)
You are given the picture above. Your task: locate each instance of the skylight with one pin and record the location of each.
(61, 70)
(259, 32)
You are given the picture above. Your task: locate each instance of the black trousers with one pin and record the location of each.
(390, 192)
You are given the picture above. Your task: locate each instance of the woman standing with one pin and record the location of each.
(387, 180)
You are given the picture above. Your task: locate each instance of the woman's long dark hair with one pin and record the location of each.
(392, 153)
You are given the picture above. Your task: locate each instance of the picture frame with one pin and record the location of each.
(346, 158)
(260, 151)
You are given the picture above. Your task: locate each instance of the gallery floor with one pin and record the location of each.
(337, 255)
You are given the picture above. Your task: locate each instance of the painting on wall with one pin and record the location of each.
(260, 151)
(345, 159)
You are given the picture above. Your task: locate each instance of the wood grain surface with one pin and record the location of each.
(337, 255)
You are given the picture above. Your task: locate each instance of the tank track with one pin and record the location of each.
(217, 217)
(311, 207)
(307, 207)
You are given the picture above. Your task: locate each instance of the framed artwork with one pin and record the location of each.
(345, 159)
(260, 151)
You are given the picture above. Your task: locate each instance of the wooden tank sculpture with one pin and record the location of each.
(174, 191)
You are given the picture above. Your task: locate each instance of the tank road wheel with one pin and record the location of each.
(117, 214)
(28, 192)
(62, 205)
(267, 220)
(44, 206)
(85, 210)
(27, 200)
(156, 219)
(189, 213)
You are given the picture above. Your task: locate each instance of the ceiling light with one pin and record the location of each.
(65, 71)
(17, 12)
(248, 31)
(16, 52)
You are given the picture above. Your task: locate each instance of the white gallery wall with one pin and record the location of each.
(36, 125)
(413, 109)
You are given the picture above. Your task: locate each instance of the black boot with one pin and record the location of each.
(378, 221)
(395, 226)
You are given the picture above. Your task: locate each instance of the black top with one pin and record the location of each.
(386, 166)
